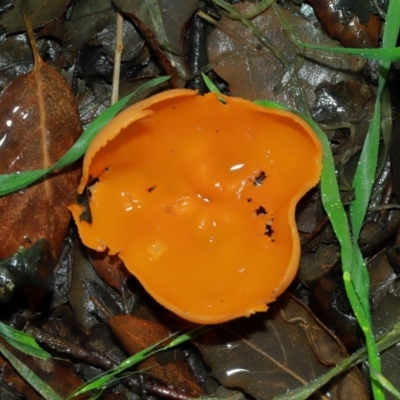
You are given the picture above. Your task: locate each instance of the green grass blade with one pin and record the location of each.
(365, 173)
(23, 342)
(12, 182)
(79, 148)
(41, 387)
(357, 278)
(385, 383)
(103, 380)
(381, 54)
(350, 254)
(212, 88)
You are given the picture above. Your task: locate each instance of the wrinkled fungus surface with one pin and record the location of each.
(197, 198)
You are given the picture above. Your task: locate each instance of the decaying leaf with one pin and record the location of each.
(136, 334)
(111, 269)
(161, 22)
(83, 276)
(39, 122)
(87, 18)
(269, 354)
(252, 70)
(40, 12)
(27, 271)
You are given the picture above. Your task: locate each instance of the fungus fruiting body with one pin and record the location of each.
(198, 197)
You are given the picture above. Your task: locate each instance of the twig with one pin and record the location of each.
(117, 59)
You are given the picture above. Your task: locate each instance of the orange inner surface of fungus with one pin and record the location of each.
(198, 197)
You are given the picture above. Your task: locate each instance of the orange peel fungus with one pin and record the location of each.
(198, 199)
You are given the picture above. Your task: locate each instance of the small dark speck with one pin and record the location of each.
(173, 107)
(259, 179)
(261, 211)
(151, 188)
(249, 200)
(27, 239)
(217, 131)
(268, 230)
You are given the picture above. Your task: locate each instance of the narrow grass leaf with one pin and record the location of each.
(23, 342)
(385, 383)
(350, 254)
(101, 381)
(358, 278)
(381, 54)
(365, 173)
(212, 88)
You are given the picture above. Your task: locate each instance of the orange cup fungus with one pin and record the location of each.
(198, 199)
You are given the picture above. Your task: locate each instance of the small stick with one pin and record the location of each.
(117, 59)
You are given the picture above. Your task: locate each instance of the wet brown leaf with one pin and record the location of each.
(163, 27)
(14, 48)
(382, 276)
(136, 334)
(253, 72)
(87, 19)
(39, 122)
(328, 300)
(40, 12)
(313, 265)
(344, 101)
(83, 278)
(269, 354)
(111, 269)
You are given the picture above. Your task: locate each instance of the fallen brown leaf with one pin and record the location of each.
(255, 72)
(40, 12)
(271, 353)
(39, 122)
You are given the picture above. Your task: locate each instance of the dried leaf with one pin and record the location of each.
(162, 23)
(342, 102)
(111, 269)
(15, 58)
(87, 19)
(137, 334)
(267, 355)
(39, 122)
(40, 12)
(253, 72)
(83, 276)
(313, 265)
